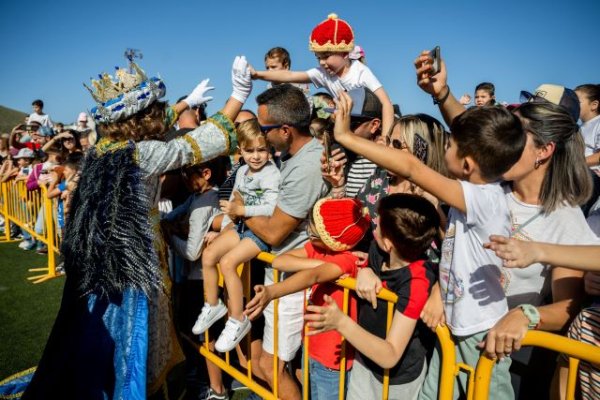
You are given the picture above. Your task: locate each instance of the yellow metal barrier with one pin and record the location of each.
(349, 284)
(22, 207)
(450, 368)
(572, 348)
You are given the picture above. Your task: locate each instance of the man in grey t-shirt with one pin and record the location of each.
(284, 115)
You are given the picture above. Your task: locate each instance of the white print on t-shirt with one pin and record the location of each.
(453, 288)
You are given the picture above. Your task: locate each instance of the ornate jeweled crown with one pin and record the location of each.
(126, 94)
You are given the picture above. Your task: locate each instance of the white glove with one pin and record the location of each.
(197, 96)
(241, 79)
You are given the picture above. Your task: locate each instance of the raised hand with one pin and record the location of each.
(342, 116)
(435, 85)
(241, 79)
(465, 99)
(198, 95)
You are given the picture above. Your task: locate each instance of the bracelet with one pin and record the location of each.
(443, 99)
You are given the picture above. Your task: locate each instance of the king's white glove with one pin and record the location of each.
(241, 79)
(197, 96)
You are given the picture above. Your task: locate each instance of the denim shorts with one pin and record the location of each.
(244, 232)
(324, 382)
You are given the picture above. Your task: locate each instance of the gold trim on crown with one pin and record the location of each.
(107, 87)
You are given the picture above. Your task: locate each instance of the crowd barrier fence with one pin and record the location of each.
(22, 207)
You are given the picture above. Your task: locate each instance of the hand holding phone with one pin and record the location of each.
(436, 61)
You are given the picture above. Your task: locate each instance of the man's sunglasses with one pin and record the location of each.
(266, 128)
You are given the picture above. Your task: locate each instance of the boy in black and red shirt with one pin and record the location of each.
(408, 225)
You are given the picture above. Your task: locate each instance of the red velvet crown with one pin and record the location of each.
(340, 223)
(333, 34)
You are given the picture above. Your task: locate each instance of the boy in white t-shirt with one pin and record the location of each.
(38, 114)
(332, 41)
(485, 143)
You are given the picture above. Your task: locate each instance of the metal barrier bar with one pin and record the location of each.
(546, 340)
(23, 207)
(349, 284)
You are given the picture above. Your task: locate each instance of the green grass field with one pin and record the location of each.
(27, 311)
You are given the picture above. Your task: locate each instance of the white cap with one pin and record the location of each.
(25, 153)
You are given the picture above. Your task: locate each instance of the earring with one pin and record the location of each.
(537, 163)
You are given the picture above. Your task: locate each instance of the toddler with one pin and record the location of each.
(257, 182)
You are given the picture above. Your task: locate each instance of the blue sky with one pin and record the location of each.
(49, 48)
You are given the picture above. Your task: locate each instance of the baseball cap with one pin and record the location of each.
(25, 153)
(45, 131)
(365, 104)
(82, 117)
(555, 94)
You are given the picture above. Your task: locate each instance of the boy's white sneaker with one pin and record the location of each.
(208, 316)
(233, 333)
(27, 245)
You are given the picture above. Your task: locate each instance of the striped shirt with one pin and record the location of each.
(360, 171)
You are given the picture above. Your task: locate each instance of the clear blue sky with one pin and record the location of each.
(49, 48)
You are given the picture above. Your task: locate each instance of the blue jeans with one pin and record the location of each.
(324, 382)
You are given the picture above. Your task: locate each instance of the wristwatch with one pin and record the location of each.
(532, 314)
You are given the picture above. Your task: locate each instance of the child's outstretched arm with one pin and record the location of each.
(399, 162)
(385, 352)
(387, 111)
(325, 272)
(295, 260)
(281, 76)
(520, 254)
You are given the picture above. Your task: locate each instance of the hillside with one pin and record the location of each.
(9, 118)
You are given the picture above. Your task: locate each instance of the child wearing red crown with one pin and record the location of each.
(335, 227)
(408, 225)
(332, 41)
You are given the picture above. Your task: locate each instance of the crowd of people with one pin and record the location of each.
(456, 222)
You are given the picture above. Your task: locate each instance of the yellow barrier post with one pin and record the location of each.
(5, 213)
(546, 340)
(44, 204)
(347, 284)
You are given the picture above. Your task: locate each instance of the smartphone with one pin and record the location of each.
(327, 146)
(435, 57)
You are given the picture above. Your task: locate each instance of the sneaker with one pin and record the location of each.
(208, 316)
(27, 245)
(233, 333)
(42, 250)
(212, 395)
